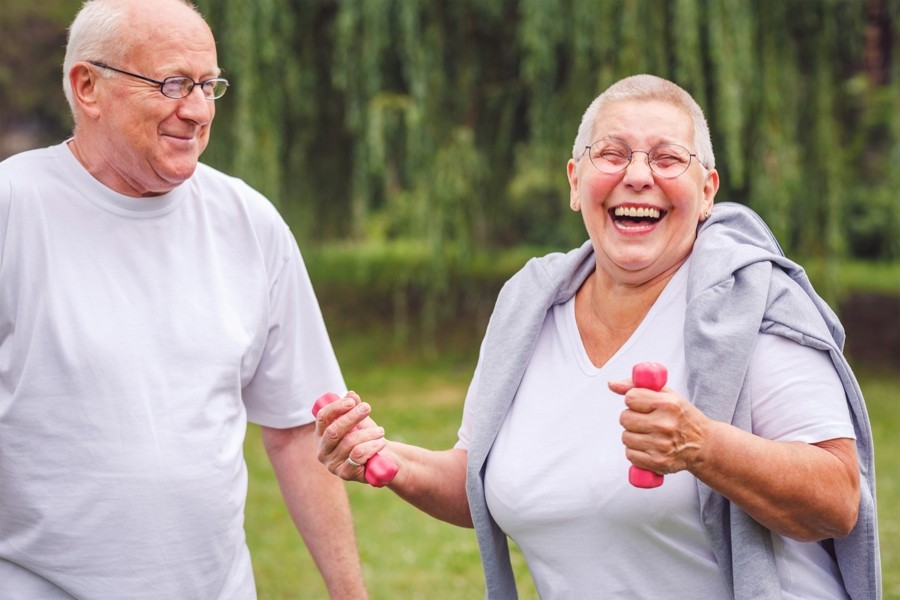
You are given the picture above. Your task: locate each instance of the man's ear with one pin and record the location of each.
(85, 91)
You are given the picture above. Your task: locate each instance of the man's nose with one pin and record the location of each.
(196, 106)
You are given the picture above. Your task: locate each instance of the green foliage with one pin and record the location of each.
(450, 123)
(32, 39)
(731, 28)
(394, 283)
(774, 167)
(772, 76)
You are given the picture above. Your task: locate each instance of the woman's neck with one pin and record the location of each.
(608, 312)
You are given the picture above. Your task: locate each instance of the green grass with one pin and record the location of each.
(880, 391)
(408, 555)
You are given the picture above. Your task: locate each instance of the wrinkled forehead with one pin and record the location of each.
(650, 121)
(158, 27)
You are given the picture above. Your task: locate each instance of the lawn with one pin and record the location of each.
(411, 556)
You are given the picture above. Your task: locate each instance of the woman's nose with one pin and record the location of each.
(638, 173)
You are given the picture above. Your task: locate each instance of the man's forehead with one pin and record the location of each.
(168, 38)
(160, 18)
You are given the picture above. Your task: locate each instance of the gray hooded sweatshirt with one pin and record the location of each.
(739, 284)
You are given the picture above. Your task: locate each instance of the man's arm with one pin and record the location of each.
(319, 507)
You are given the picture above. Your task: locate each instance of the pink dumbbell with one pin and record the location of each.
(379, 470)
(650, 375)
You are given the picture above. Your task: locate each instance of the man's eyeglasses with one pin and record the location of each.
(613, 156)
(178, 87)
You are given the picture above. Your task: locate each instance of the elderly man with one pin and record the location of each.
(149, 307)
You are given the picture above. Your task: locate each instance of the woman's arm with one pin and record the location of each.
(432, 481)
(804, 491)
(808, 492)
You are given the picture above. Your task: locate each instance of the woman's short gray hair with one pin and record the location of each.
(644, 88)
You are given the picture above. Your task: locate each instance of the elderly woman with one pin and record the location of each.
(761, 431)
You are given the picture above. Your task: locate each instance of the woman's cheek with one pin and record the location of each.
(596, 189)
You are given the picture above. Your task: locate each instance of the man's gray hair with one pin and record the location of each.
(644, 88)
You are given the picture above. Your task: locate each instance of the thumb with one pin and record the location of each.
(620, 386)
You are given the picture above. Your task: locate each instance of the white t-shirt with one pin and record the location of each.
(137, 336)
(557, 476)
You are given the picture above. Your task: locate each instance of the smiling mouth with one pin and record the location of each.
(636, 216)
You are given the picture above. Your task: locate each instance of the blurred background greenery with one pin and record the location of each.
(417, 148)
(448, 123)
(441, 129)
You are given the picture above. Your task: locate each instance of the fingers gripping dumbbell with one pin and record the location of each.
(379, 470)
(650, 375)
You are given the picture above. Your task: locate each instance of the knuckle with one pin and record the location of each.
(333, 433)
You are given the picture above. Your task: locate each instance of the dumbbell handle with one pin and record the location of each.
(650, 375)
(379, 470)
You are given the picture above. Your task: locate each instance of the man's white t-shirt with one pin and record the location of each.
(137, 337)
(557, 477)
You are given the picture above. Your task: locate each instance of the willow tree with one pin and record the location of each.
(32, 40)
(247, 125)
(281, 126)
(409, 72)
(448, 124)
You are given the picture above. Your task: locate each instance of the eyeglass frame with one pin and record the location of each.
(162, 83)
(631, 153)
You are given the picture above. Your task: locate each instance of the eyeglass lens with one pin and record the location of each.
(666, 160)
(180, 87)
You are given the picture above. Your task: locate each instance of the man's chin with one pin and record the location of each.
(169, 179)
(179, 172)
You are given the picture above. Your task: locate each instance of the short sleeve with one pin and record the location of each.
(465, 427)
(796, 393)
(297, 363)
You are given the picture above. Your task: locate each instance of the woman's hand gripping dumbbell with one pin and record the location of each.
(650, 375)
(379, 470)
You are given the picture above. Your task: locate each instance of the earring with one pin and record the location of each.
(707, 213)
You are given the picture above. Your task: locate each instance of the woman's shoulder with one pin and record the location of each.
(555, 269)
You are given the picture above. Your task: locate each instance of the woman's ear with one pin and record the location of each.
(572, 173)
(710, 187)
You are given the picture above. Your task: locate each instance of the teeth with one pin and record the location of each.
(623, 211)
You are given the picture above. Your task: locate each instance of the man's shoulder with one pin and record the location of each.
(209, 174)
(233, 196)
(208, 177)
(22, 173)
(23, 163)
(556, 271)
